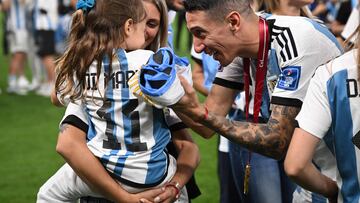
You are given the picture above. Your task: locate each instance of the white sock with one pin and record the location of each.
(12, 79)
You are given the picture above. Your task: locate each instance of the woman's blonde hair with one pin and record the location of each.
(272, 5)
(161, 37)
(94, 34)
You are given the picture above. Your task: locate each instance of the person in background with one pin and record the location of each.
(3, 25)
(45, 23)
(65, 10)
(325, 10)
(342, 15)
(173, 7)
(17, 37)
(288, 7)
(351, 25)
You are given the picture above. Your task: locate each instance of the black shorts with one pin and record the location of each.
(45, 40)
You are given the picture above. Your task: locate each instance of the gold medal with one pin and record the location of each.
(247, 178)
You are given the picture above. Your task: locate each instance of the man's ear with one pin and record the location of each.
(129, 26)
(233, 19)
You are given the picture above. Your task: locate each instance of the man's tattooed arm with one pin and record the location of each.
(270, 139)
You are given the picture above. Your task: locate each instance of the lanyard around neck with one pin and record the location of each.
(261, 69)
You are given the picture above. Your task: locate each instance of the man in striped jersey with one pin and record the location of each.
(291, 47)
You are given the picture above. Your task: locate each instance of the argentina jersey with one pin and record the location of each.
(125, 133)
(334, 94)
(297, 49)
(45, 14)
(16, 18)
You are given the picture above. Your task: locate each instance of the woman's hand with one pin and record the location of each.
(147, 196)
(167, 195)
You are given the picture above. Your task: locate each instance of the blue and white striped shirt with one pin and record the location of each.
(334, 94)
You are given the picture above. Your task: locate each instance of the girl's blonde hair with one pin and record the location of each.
(94, 35)
(161, 37)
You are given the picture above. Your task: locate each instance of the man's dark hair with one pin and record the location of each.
(202, 5)
(217, 8)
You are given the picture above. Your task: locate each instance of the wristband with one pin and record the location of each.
(176, 186)
(206, 115)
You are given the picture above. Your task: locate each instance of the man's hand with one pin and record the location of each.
(189, 104)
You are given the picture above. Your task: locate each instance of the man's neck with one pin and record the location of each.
(250, 37)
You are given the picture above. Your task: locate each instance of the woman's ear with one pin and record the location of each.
(129, 26)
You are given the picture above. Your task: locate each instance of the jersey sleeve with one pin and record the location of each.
(173, 121)
(75, 115)
(231, 76)
(299, 58)
(315, 115)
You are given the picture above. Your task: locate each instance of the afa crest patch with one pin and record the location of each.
(289, 78)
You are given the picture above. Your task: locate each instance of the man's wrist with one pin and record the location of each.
(206, 114)
(201, 114)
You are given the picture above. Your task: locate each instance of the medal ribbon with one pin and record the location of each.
(261, 70)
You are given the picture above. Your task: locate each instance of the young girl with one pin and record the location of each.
(125, 134)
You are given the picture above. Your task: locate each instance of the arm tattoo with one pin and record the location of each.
(270, 139)
(63, 127)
